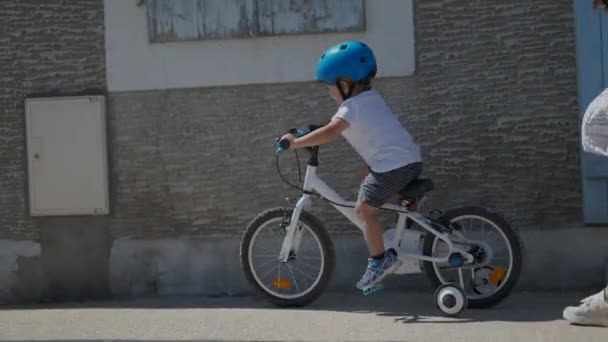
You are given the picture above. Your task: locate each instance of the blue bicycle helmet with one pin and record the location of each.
(350, 60)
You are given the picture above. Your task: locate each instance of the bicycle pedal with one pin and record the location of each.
(368, 290)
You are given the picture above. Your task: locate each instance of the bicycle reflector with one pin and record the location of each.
(496, 275)
(280, 283)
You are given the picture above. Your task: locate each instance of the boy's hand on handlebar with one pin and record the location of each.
(288, 140)
(289, 137)
(284, 143)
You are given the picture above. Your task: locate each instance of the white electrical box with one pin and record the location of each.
(67, 155)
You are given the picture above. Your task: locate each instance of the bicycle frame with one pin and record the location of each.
(313, 183)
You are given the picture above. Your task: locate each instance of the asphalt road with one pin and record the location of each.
(335, 317)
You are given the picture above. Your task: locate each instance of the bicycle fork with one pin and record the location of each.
(294, 231)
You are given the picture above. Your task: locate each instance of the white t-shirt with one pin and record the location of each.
(376, 133)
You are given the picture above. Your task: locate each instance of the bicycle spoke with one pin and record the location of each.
(489, 233)
(501, 261)
(502, 248)
(267, 263)
(470, 228)
(493, 236)
(304, 281)
(302, 262)
(280, 233)
(266, 249)
(305, 257)
(308, 267)
(306, 275)
(294, 278)
(266, 256)
(266, 274)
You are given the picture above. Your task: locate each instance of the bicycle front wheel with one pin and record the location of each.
(300, 280)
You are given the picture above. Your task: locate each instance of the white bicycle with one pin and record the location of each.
(470, 254)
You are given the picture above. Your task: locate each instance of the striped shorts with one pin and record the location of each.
(377, 188)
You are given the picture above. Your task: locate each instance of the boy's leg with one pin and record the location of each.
(380, 263)
(376, 189)
(373, 227)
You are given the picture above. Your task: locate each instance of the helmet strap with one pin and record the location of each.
(349, 91)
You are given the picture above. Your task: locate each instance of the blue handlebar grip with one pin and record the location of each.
(277, 145)
(298, 132)
(282, 145)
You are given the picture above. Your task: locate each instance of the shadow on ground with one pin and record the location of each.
(404, 308)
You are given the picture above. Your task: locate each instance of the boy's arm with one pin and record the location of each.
(323, 135)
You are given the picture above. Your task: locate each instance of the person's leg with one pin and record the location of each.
(592, 310)
(373, 229)
(379, 263)
(377, 189)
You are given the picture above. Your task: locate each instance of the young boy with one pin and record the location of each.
(366, 122)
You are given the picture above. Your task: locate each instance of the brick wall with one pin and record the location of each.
(492, 102)
(45, 47)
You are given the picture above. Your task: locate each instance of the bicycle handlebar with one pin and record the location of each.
(283, 145)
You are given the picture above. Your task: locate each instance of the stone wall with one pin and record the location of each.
(492, 103)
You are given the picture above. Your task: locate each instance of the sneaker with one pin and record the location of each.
(593, 310)
(378, 269)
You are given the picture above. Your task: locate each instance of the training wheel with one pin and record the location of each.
(450, 299)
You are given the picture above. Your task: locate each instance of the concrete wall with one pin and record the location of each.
(570, 258)
(135, 64)
(492, 102)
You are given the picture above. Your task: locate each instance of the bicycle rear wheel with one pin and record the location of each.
(498, 256)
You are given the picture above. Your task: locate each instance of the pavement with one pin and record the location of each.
(388, 316)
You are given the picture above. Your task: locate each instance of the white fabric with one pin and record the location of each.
(595, 126)
(376, 133)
